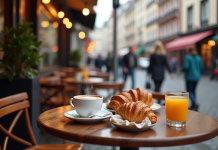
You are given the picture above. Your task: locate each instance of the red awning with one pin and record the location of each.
(186, 41)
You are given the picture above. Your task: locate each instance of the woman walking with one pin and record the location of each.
(192, 67)
(158, 61)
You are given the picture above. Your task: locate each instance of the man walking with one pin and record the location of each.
(129, 65)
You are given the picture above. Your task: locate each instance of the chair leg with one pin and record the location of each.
(65, 141)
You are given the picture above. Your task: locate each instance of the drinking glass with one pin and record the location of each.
(176, 105)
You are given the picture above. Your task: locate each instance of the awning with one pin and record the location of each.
(186, 41)
(139, 50)
(76, 7)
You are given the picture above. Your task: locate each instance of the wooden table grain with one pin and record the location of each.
(199, 127)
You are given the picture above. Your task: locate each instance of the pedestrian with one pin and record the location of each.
(88, 61)
(173, 64)
(192, 67)
(129, 66)
(109, 62)
(158, 61)
(99, 62)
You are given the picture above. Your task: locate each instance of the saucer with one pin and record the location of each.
(74, 116)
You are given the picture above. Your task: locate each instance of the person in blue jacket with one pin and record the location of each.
(192, 67)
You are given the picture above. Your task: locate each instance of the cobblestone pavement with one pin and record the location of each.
(207, 97)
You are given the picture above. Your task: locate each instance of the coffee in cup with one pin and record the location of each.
(86, 105)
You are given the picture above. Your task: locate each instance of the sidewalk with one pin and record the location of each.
(207, 96)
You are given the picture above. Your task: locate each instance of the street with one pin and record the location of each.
(207, 97)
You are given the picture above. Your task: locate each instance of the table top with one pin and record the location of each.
(89, 80)
(199, 127)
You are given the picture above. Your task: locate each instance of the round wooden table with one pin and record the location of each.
(78, 83)
(199, 127)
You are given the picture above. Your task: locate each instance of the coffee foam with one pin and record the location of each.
(88, 97)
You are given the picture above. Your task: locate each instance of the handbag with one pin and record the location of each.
(148, 84)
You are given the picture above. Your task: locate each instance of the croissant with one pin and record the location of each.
(131, 96)
(136, 112)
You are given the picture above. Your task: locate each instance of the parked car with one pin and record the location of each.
(143, 62)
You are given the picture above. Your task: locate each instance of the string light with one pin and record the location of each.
(46, 1)
(45, 24)
(55, 24)
(69, 25)
(85, 11)
(82, 35)
(65, 20)
(61, 14)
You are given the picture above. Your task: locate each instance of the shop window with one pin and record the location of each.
(48, 34)
(1, 23)
(206, 55)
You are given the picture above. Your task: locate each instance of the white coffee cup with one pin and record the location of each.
(86, 105)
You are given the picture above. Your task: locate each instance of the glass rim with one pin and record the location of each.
(176, 92)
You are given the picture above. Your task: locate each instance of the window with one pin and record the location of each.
(190, 18)
(48, 34)
(176, 3)
(171, 5)
(175, 27)
(1, 24)
(204, 12)
(1, 20)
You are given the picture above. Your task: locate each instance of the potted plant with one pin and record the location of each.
(76, 57)
(18, 71)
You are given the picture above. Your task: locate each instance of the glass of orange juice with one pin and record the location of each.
(176, 105)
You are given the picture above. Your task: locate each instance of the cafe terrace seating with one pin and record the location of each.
(52, 92)
(19, 102)
(112, 88)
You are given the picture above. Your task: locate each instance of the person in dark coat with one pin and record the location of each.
(99, 62)
(158, 62)
(129, 66)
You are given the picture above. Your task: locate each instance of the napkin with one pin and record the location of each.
(117, 119)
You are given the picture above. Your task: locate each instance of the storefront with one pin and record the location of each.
(202, 41)
(49, 27)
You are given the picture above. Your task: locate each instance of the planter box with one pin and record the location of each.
(17, 85)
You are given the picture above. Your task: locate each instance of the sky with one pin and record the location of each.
(103, 10)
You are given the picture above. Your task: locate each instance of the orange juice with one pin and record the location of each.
(176, 108)
(84, 75)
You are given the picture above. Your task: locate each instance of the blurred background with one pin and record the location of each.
(86, 29)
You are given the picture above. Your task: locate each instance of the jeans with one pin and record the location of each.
(190, 87)
(132, 73)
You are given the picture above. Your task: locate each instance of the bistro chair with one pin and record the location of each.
(19, 102)
(70, 88)
(52, 92)
(112, 88)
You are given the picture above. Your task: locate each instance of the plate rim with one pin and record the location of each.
(86, 119)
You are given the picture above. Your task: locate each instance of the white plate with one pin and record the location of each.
(74, 116)
(155, 106)
(132, 128)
